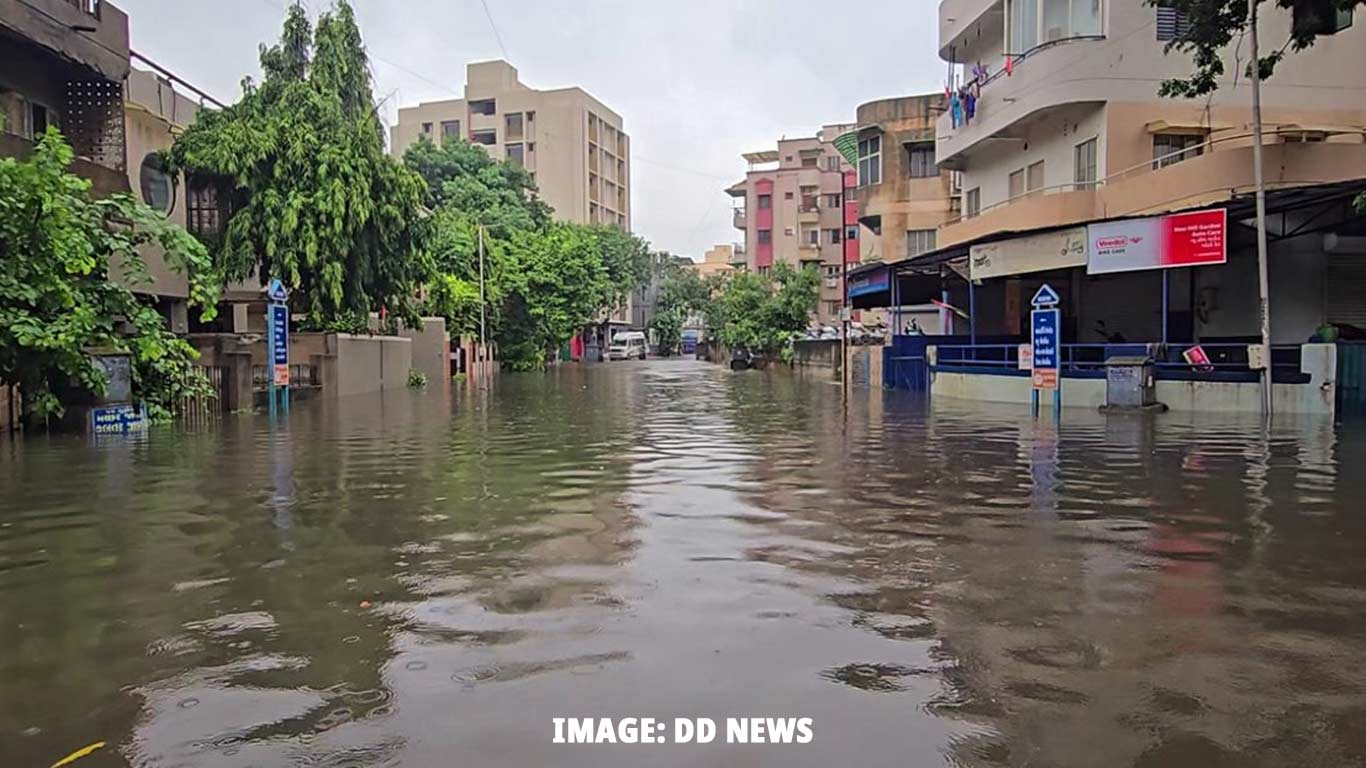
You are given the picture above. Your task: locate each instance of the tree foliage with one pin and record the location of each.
(58, 294)
(320, 204)
(683, 294)
(543, 281)
(1213, 25)
(761, 312)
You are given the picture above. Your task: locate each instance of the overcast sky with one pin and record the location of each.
(697, 82)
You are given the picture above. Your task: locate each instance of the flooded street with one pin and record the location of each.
(427, 579)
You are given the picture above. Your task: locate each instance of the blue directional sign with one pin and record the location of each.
(276, 291)
(1045, 324)
(1046, 297)
(117, 419)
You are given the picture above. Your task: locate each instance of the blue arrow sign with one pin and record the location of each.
(1046, 297)
(276, 291)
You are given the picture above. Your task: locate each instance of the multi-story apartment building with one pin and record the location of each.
(1073, 129)
(794, 209)
(903, 197)
(573, 145)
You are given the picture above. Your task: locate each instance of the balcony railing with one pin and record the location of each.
(1212, 147)
(740, 218)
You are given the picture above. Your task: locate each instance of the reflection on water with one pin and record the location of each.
(427, 579)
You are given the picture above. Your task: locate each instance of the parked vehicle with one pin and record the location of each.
(688, 344)
(627, 346)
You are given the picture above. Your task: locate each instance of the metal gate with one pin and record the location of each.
(1351, 383)
(203, 409)
(904, 364)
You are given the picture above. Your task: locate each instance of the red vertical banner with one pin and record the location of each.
(850, 233)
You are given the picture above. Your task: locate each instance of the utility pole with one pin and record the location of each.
(483, 332)
(1263, 281)
(844, 285)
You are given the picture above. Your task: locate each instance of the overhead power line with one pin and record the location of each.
(496, 36)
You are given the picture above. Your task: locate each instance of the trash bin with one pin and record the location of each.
(1130, 382)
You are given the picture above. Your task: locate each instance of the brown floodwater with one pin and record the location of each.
(426, 579)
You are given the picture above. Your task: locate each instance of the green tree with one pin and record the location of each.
(320, 204)
(557, 287)
(58, 298)
(462, 177)
(1214, 24)
(683, 294)
(761, 312)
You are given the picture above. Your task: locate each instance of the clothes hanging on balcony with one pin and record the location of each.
(969, 108)
(1010, 66)
(956, 110)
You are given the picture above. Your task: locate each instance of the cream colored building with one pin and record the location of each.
(792, 208)
(1077, 132)
(573, 145)
(717, 261)
(156, 111)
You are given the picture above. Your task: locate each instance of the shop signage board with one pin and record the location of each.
(1036, 253)
(1197, 238)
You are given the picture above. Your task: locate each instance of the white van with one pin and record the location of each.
(627, 345)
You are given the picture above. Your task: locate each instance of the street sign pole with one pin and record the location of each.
(277, 345)
(1045, 325)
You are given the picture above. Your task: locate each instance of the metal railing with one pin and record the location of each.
(1147, 166)
(1226, 360)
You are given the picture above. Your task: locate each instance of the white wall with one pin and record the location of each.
(1052, 139)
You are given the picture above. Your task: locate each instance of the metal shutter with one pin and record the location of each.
(1347, 289)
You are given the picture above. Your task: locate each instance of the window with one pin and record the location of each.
(919, 241)
(787, 159)
(811, 162)
(789, 231)
(158, 187)
(513, 129)
(1034, 177)
(832, 236)
(851, 234)
(920, 160)
(765, 237)
(1033, 22)
(516, 154)
(870, 161)
(832, 270)
(832, 163)
(450, 129)
(426, 129)
(787, 195)
(205, 211)
(1170, 148)
(486, 137)
(38, 121)
(765, 202)
(972, 202)
(832, 201)
(1172, 24)
(813, 236)
(1084, 158)
(1319, 17)
(832, 308)
(1017, 183)
(483, 107)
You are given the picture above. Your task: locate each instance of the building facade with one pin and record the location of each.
(793, 208)
(1138, 212)
(1074, 129)
(573, 145)
(903, 197)
(717, 260)
(62, 64)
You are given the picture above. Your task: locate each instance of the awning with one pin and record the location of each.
(764, 156)
(1186, 126)
(738, 189)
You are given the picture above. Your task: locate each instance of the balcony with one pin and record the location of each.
(958, 17)
(740, 218)
(1224, 171)
(104, 181)
(808, 214)
(1052, 75)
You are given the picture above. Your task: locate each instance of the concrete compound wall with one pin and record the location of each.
(371, 363)
(1318, 396)
(430, 349)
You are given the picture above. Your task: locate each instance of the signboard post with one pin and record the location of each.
(1045, 337)
(277, 335)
